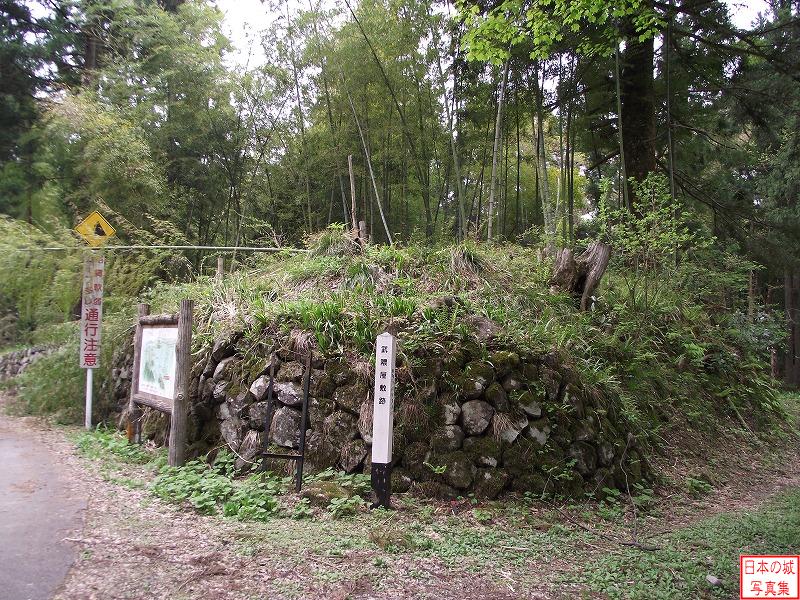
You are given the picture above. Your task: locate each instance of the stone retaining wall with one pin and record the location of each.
(475, 421)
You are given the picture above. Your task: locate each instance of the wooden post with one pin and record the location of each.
(183, 366)
(134, 412)
(220, 268)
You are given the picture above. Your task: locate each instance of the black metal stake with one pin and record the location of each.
(381, 476)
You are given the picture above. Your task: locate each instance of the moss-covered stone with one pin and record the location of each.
(321, 493)
(531, 481)
(497, 397)
(504, 361)
(458, 469)
(522, 457)
(490, 483)
(447, 438)
(483, 451)
(480, 370)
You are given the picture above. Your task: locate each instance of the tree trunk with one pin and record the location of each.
(498, 124)
(791, 285)
(638, 111)
(579, 277)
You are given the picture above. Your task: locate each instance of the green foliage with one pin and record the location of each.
(202, 486)
(100, 442)
(253, 500)
(592, 26)
(651, 243)
(345, 507)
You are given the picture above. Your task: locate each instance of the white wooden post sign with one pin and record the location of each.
(383, 418)
(94, 267)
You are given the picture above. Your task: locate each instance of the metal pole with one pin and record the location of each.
(89, 382)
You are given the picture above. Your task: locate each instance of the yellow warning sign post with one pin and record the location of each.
(95, 229)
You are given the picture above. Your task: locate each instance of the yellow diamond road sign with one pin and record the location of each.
(95, 229)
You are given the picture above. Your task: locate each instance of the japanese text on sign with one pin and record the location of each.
(91, 311)
(769, 577)
(383, 403)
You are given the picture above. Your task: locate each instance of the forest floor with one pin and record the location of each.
(740, 494)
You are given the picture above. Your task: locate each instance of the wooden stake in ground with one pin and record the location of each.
(134, 411)
(180, 407)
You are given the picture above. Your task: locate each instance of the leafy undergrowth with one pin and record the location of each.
(688, 347)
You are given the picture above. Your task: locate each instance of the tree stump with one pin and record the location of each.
(579, 277)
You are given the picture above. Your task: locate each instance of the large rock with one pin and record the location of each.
(231, 431)
(352, 455)
(258, 415)
(539, 430)
(365, 421)
(504, 362)
(605, 453)
(574, 399)
(585, 457)
(225, 346)
(318, 409)
(340, 427)
(338, 371)
(288, 393)
(238, 404)
(285, 429)
(351, 396)
(512, 382)
(252, 445)
(458, 469)
(529, 402)
(489, 483)
(530, 482)
(290, 372)
(223, 411)
(476, 416)
(224, 368)
(320, 493)
(321, 384)
(400, 481)
(259, 388)
(552, 383)
(497, 397)
(414, 457)
(220, 391)
(586, 430)
(451, 409)
(522, 457)
(509, 425)
(447, 439)
(485, 451)
(480, 371)
(320, 452)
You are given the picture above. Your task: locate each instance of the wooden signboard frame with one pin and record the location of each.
(178, 407)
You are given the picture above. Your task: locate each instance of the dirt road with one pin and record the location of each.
(38, 509)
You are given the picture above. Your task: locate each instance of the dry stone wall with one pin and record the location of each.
(14, 363)
(474, 421)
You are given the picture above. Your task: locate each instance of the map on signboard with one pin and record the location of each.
(157, 361)
(95, 229)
